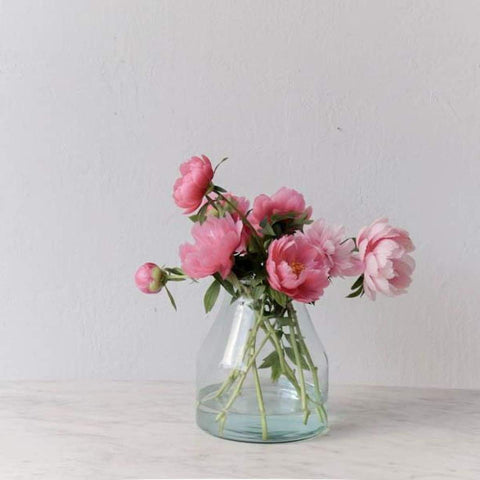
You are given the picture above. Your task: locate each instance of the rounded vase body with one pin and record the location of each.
(262, 376)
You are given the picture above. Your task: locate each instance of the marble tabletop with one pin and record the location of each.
(140, 430)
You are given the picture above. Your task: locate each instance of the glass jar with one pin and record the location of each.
(262, 376)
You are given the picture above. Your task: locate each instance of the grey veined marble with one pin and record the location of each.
(127, 430)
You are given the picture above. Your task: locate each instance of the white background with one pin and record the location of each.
(369, 107)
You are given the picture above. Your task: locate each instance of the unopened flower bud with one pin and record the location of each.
(150, 278)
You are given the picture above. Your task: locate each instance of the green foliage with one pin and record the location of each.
(278, 297)
(249, 266)
(201, 215)
(359, 292)
(284, 322)
(279, 217)
(215, 171)
(174, 270)
(357, 287)
(267, 229)
(211, 295)
(283, 224)
(272, 361)
(170, 297)
(358, 283)
(257, 292)
(225, 284)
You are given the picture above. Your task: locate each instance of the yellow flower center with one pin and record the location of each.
(297, 268)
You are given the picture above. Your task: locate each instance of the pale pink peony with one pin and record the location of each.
(190, 188)
(150, 278)
(241, 207)
(286, 200)
(383, 251)
(215, 242)
(330, 242)
(295, 268)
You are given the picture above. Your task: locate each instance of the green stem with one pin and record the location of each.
(286, 370)
(239, 385)
(261, 405)
(211, 202)
(227, 383)
(221, 417)
(234, 373)
(313, 368)
(296, 352)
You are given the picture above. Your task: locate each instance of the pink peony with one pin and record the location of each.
(190, 188)
(383, 251)
(295, 268)
(286, 200)
(330, 242)
(150, 278)
(215, 242)
(241, 205)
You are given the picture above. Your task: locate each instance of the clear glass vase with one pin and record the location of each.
(262, 376)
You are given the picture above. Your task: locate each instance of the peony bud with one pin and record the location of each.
(150, 278)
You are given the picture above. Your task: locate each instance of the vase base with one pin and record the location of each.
(285, 418)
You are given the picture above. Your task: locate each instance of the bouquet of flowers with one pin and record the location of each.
(273, 254)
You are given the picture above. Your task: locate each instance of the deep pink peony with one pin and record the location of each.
(383, 251)
(215, 242)
(330, 242)
(286, 200)
(295, 268)
(150, 278)
(189, 189)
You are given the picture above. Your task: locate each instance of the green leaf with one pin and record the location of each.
(211, 295)
(357, 293)
(284, 322)
(225, 284)
(267, 243)
(200, 215)
(358, 283)
(291, 356)
(272, 361)
(276, 371)
(170, 296)
(218, 164)
(257, 292)
(175, 270)
(268, 230)
(305, 218)
(234, 298)
(279, 297)
(269, 360)
(278, 230)
(278, 217)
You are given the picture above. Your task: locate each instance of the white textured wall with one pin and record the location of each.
(369, 107)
